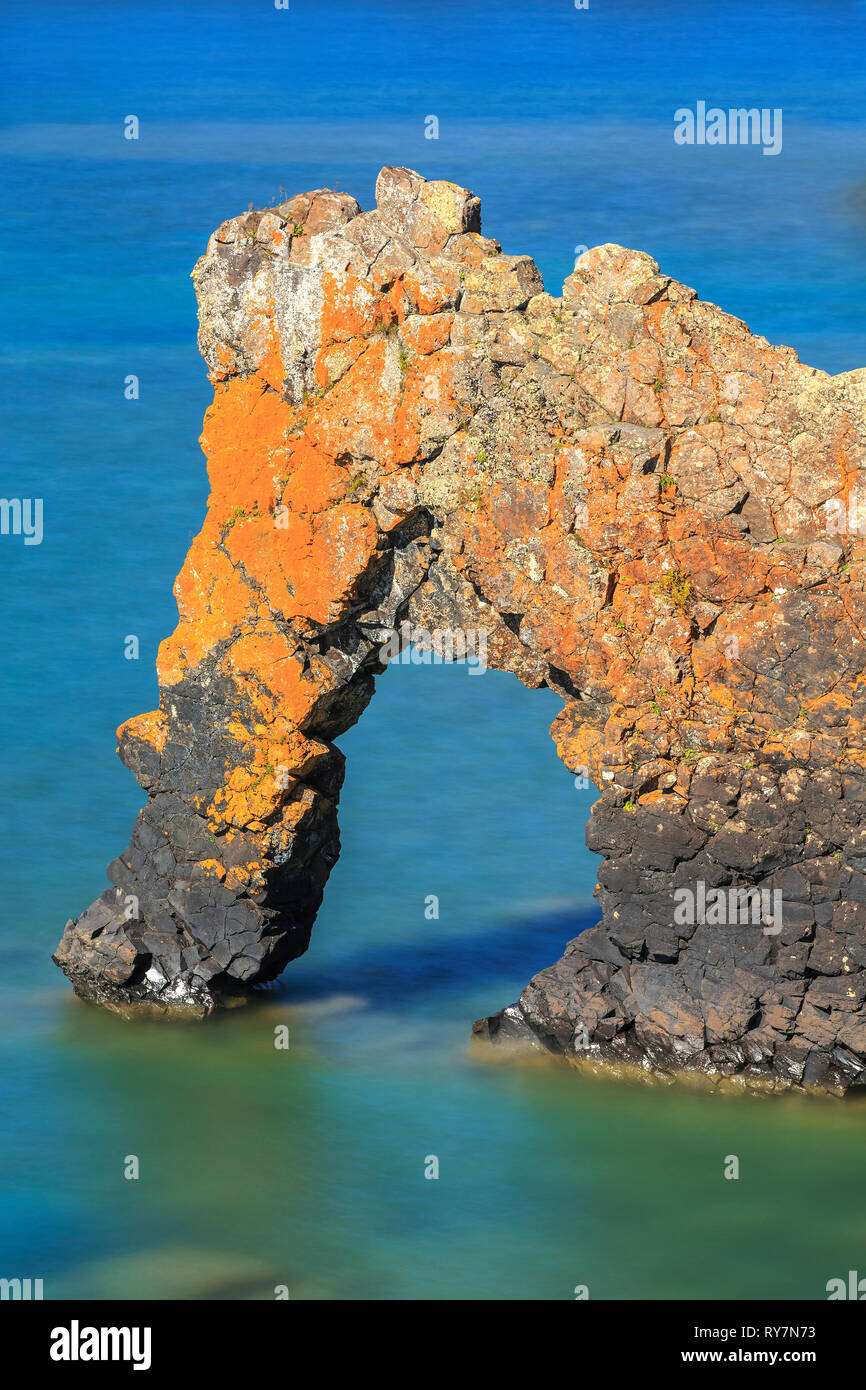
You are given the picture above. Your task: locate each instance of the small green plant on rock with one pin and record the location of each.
(473, 498)
(268, 772)
(676, 588)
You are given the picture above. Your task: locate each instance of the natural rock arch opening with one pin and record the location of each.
(641, 506)
(462, 871)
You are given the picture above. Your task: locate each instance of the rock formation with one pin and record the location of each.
(639, 503)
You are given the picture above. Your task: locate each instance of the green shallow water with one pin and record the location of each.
(261, 1168)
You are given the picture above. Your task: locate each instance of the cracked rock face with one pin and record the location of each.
(636, 502)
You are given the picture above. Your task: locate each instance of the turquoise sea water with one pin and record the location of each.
(306, 1168)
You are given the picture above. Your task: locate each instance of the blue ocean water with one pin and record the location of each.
(306, 1168)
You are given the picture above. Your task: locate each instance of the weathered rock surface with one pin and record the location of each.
(640, 503)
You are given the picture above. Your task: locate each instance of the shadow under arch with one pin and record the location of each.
(453, 790)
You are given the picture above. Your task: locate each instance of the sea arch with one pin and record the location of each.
(619, 493)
